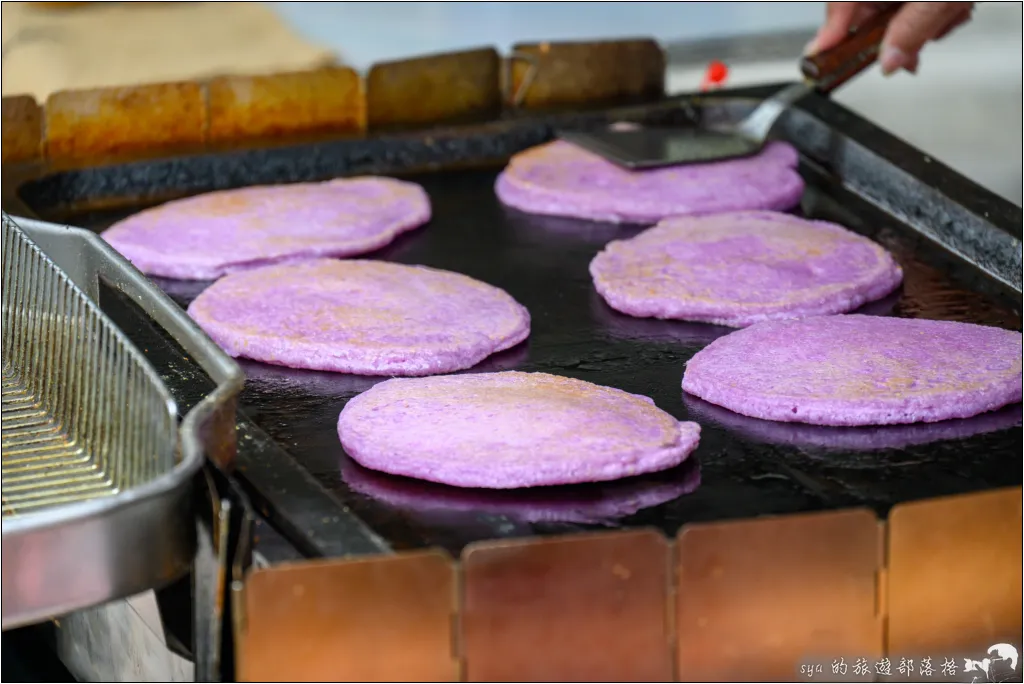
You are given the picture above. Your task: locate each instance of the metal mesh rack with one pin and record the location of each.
(98, 495)
(84, 416)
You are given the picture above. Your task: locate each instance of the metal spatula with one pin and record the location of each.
(648, 148)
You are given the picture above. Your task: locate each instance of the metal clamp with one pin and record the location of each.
(516, 98)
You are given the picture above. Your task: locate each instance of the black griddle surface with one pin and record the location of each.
(743, 467)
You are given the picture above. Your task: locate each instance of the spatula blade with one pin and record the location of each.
(651, 148)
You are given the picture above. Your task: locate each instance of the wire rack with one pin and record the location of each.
(84, 416)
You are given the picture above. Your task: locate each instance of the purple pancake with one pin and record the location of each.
(509, 430)
(561, 179)
(859, 370)
(207, 236)
(362, 317)
(740, 268)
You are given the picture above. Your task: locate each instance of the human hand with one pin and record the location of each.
(915, 24)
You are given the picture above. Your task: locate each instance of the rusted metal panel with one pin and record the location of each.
(22, 129)
(954, 575)
(112, 121)
(324, 100)
(438, 88)
(378, 619)
(759, 599)
(549, 75)
(585, 608)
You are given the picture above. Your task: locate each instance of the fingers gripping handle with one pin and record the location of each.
(831, 68)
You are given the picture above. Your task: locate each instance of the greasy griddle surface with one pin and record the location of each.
(745, 467)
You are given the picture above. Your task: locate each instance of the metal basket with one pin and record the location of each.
(84, 415)
(97, 480)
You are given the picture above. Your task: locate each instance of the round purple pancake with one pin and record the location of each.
(561, 179)
(509, 430)
(362, 317)
(859, 370)
(739, 268)
(207, 236)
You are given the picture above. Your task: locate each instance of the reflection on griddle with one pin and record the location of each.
(589, 504)
(688, 333)
(882, 307)
(870, 439)
(543, 229)
(625, 327)
(181, 291)
(270, 378)
(507, 360)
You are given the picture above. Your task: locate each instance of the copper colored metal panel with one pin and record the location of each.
(545, 75)
(586, 608)
(324, 100)
(760, 599)
(111, 121)
(433, 89)
(379, 619)
(22, 129)
(955, 574)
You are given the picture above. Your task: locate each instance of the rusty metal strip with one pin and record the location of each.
(757, 600)
(419, 92)
(443, 88)
(380, 619)
(955, 575)
(22, 129)
(320, 101)
(551, 75)
(114, 121)
(584, 608)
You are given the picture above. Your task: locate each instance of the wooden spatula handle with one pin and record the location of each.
(830, 69)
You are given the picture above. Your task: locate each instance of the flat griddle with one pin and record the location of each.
(958, 244)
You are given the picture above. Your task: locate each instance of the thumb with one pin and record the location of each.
(840, 17)
(914, 25)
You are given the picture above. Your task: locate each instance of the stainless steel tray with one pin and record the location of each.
(98, 471)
